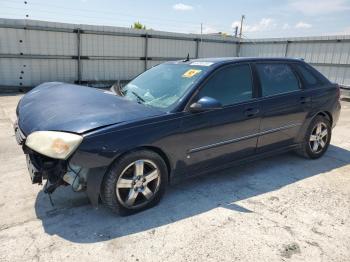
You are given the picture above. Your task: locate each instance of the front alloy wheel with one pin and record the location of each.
(138, 183)
(134, 182)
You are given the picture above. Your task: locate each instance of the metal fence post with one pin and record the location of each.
(146, 51)
(79, 55)
(238, 48)
(286, 50)
(197, 48)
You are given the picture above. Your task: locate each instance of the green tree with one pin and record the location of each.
(138, 25)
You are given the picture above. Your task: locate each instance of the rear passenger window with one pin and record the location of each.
(307, 75)
(276, 79)
(230, 85)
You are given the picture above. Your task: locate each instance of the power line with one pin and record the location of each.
(102, 20)
(110, 14)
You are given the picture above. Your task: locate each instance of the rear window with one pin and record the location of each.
(309, 78)
(276, 78)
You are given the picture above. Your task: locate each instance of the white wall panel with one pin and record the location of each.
(10, 41)
(36, 71)
(107, 45)
(39, 71)
(101, 70)
(30, 42)
(263, 50)
(49, 43)
(171, 48)
(217, 49)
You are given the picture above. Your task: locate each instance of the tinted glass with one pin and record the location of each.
(276, 79)
(162, 86)
(307, 75)
(230, 85)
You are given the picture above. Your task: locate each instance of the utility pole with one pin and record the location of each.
(240, 36)
(240, 31)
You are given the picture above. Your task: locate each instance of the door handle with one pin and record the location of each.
(251, 112)
(304, 100)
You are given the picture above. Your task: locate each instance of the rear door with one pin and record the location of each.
(284, 105)
(217, 136)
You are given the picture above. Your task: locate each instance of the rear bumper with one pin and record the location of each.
(336, 114)
(345, 92)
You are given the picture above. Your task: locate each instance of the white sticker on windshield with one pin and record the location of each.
(201, 64)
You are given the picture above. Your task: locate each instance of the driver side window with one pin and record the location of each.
(230, 85)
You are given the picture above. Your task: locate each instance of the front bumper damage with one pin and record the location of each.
(60, 172)
(55, 172)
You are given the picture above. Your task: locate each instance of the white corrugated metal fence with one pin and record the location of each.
(32, 52)
(329, 54)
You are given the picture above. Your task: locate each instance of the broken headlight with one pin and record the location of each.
(59, 145)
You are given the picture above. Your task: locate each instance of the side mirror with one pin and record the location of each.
(204, 104)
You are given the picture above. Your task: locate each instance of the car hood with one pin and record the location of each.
(77, 109)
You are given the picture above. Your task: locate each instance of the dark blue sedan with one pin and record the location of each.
(175, 120)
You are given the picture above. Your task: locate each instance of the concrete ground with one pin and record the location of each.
(284, 208)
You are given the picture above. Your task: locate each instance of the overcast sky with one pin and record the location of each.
(267, 18)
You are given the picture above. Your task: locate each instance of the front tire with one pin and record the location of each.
(317, 138)
(135, 182)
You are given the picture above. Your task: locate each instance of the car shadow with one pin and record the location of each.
(74, 219)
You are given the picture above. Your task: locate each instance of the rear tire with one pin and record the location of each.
(135, 182)
(317, 138)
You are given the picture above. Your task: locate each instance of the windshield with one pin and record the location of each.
(162, 86)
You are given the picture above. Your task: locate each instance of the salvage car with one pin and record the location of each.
(175, 120)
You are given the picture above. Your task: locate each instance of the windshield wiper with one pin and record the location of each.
(121, 90)
(138, 97)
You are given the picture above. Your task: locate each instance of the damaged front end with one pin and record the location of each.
(57, 172)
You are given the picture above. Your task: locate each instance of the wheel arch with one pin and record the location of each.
(327, 115)
(154, 149)
(95, 193)
(162, 154)
(306, 124)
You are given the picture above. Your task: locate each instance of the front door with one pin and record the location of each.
(217, 136)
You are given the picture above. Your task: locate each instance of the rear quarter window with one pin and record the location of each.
(307, 75)
(276, 78)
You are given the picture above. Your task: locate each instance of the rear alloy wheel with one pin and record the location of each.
(317, 138)
(135, 182)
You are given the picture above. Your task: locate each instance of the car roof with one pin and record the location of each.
(221, 60)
